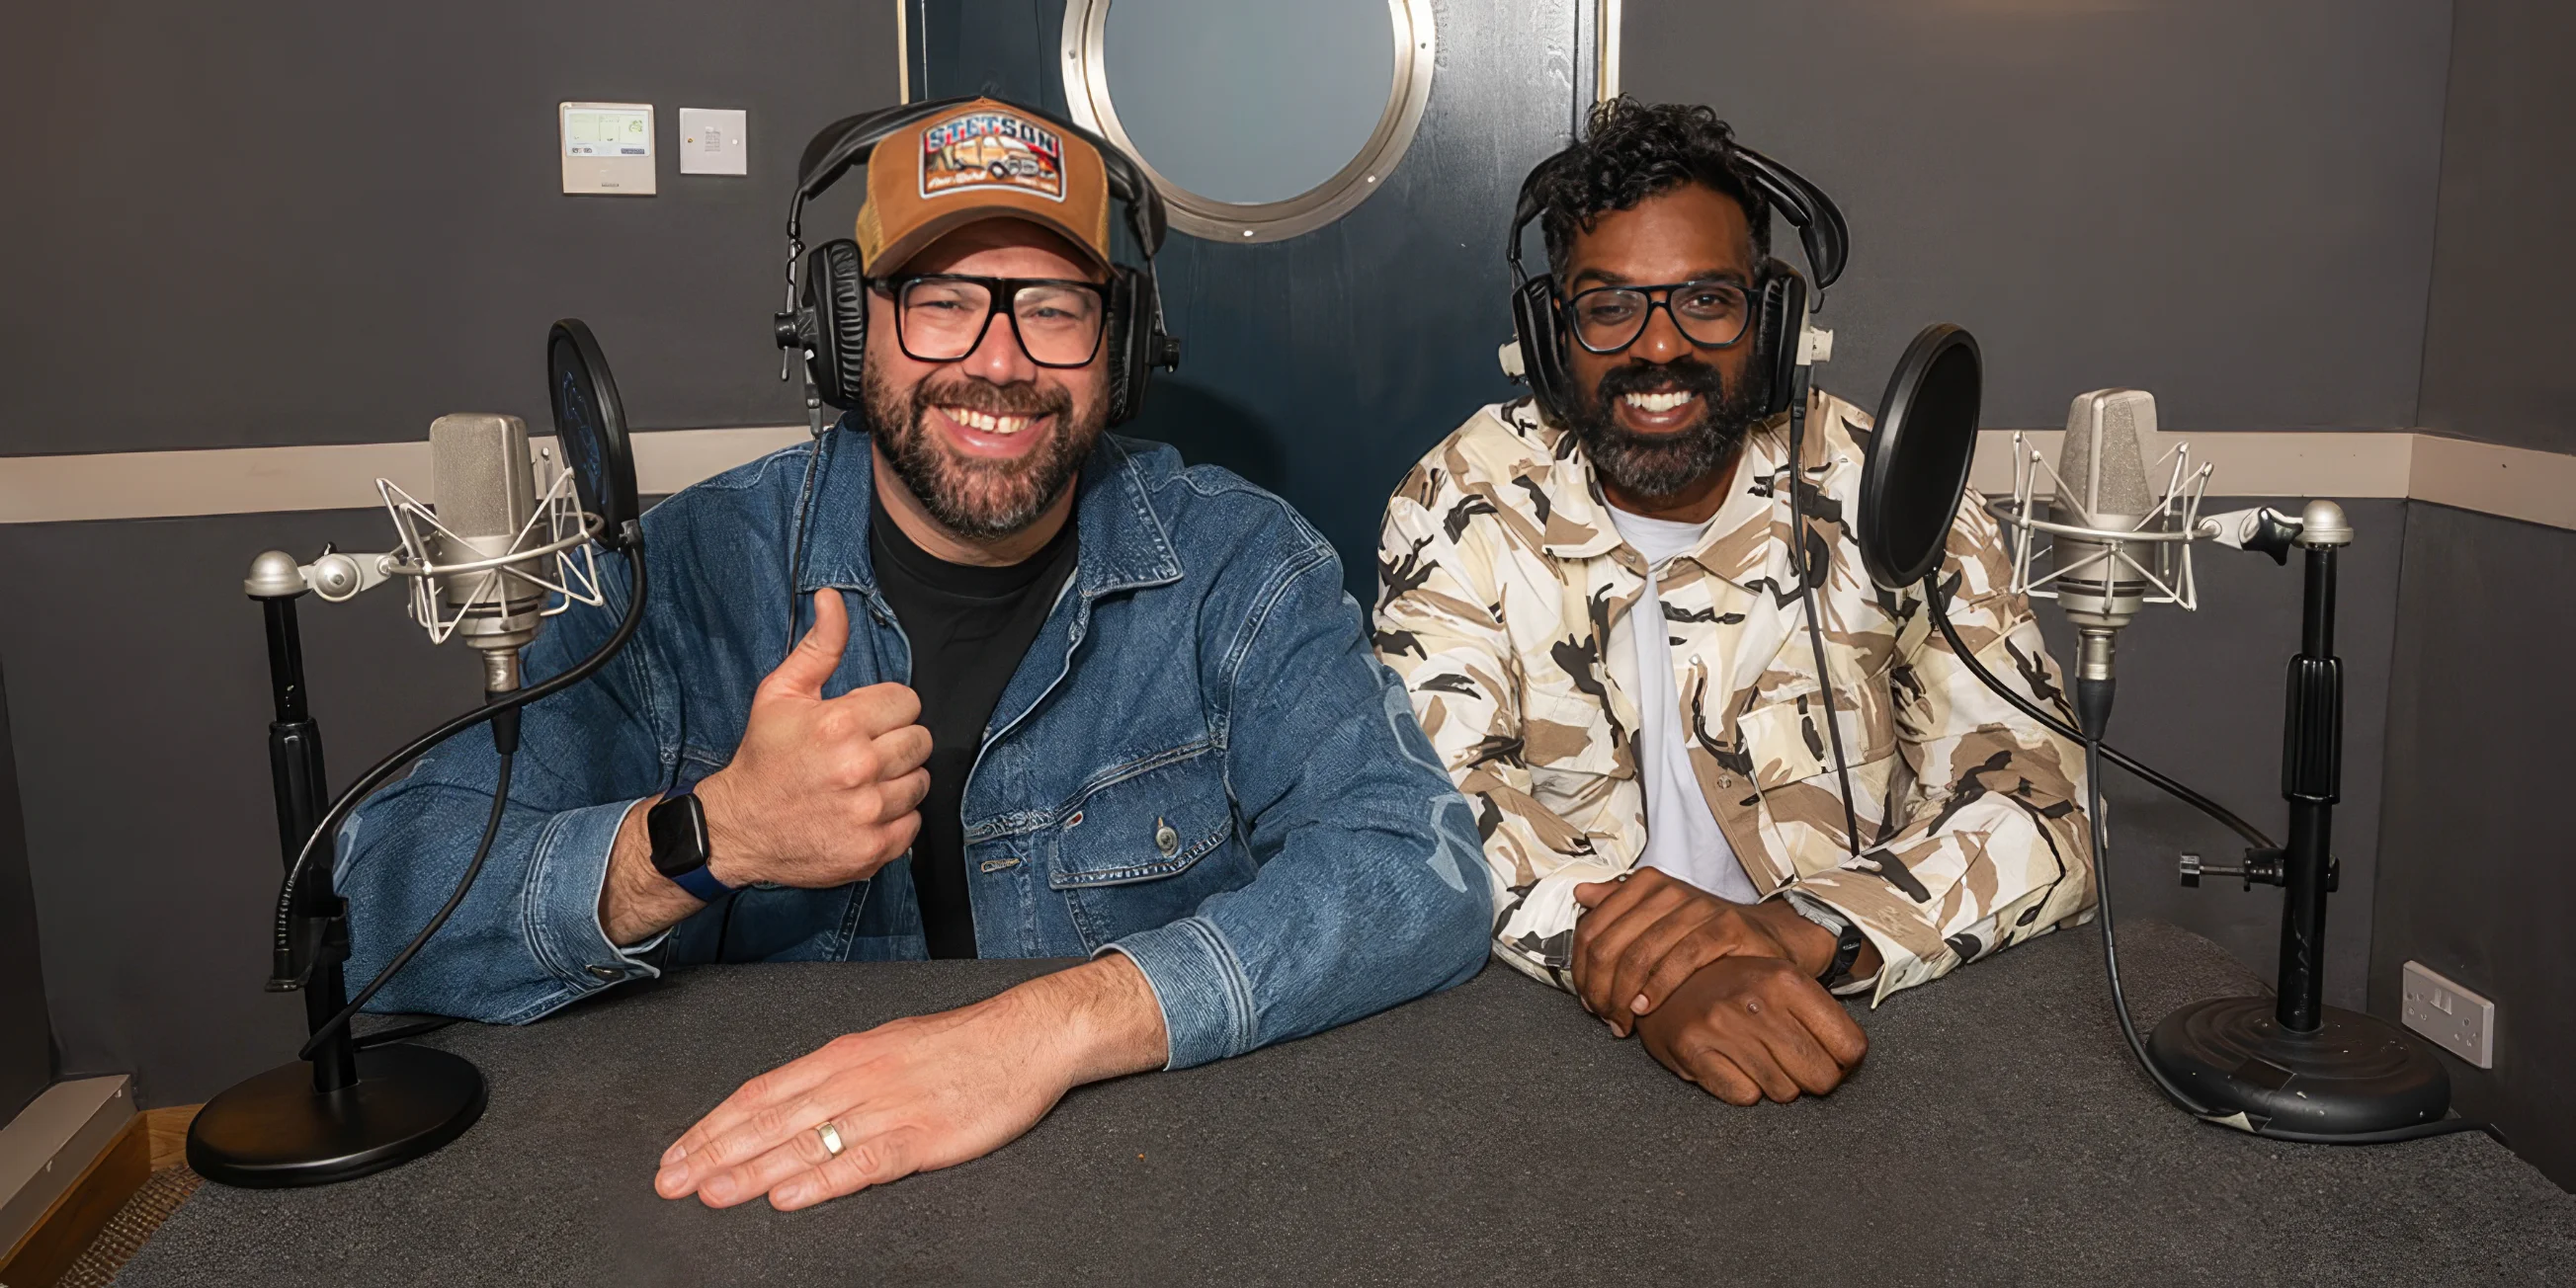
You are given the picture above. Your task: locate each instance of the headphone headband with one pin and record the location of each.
(825, 316)
(1821, 230)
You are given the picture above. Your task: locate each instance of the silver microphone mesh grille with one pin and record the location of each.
(479, 465)
(2100, 464)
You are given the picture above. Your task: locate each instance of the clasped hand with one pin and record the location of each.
(1723, 994)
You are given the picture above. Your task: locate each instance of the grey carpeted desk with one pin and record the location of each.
(1494, 1134)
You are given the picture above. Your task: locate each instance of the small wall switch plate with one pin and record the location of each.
(711, 140)
(607, 148)
(2459, 1021)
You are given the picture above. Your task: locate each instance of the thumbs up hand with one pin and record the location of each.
(823, 791)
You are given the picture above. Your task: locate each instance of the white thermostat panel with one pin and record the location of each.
(608, 148)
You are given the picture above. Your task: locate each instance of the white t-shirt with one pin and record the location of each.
(1681, 833)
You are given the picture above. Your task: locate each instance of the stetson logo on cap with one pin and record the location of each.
(991, 149)
(986, 159)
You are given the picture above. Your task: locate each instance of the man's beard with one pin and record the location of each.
(1660, 465)
(978, 497)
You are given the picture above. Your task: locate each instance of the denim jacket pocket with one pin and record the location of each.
(1146, 849)
(1157, 820)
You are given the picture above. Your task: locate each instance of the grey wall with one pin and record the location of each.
(2228, 203)
(227, 176)
(307, 222)
(2477, 875)
(26, 1036)
(2496, 347)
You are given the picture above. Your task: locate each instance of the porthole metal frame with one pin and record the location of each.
(1086, 92)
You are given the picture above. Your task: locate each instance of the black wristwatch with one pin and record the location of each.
(1848, 939)
(677, 828)
(1847, 948)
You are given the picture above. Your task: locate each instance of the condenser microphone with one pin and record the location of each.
(491, 536)
(2102, 487)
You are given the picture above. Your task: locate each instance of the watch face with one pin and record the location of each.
(677, 829)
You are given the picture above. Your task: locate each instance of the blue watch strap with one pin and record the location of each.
(702, 884)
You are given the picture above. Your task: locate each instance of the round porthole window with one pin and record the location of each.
(1258, 119)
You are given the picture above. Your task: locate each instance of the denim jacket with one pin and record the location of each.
(1199, 764)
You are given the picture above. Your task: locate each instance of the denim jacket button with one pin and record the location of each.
(1167, 841)
(605, 972)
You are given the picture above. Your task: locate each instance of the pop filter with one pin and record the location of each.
(1916, 466)
(590, 428)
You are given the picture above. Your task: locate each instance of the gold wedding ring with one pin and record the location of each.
(831, 1137)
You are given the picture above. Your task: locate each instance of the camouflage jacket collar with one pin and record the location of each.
(1745, 544)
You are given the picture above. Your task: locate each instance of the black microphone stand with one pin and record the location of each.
(350, 1110)
(2289, 1062)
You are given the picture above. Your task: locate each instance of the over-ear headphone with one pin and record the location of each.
(1781, 296)
(827, 305)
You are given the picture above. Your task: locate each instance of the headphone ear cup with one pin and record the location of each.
(1542, 348)
(1119, 346)
(836, 301)
(1784, 305)
(1129, 325)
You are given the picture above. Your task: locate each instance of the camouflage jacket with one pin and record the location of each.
(1502, 586)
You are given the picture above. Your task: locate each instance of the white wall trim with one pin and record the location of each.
(2512, 482)
(2509, 482)
(267, 480)
(2327, 463)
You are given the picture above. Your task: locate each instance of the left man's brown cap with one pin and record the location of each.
(984, 159)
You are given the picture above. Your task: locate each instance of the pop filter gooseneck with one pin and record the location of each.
(1916, 467)
(1913, 475)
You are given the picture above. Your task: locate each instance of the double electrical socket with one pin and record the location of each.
(2459, 1021)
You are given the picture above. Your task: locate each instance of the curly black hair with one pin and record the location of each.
(1630, 151)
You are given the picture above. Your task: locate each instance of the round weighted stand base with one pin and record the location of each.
(2353, 1076)
(274, 1130)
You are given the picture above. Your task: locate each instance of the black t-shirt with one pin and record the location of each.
(968, 626)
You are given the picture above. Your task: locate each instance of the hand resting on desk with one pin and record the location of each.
(921, 1093)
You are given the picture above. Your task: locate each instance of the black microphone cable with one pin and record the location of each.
(504, 713)
(2095, 751)
(505, 738)
(1799, 563)
(1936, 598)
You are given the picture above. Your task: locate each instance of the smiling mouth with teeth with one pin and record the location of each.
(987, 423)
(1659, 402)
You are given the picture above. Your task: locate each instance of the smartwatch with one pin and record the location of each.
(1848, 938)
(677, 829)
(1847, 948)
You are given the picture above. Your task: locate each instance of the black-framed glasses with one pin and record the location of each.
(942, 317)
(1608, 319)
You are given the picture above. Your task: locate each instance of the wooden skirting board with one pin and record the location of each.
(149, 1141)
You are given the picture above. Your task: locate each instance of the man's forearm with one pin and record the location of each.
(636, 902)
(1105, 1015)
